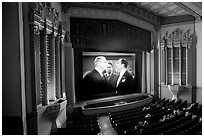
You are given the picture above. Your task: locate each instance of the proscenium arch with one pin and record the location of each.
(91, 13)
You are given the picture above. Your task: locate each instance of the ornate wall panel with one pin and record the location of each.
(46, 36)
(176, 56)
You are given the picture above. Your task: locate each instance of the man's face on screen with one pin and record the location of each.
(103, 63)
(119, 65)
(109, 68)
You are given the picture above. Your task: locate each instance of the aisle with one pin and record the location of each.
(105, 126)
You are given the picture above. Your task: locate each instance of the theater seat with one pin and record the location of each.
(161, 117)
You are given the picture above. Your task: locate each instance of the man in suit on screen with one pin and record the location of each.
(95, 81)
(125, 81)
(111, 76)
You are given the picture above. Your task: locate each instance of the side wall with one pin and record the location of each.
(194, 94)
(198, 31)
(37, 122)
(11, 73)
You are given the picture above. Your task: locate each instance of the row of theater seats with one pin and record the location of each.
(79, 124)
(161, 117)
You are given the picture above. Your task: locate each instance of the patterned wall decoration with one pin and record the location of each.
(176, 56)
(46, 39)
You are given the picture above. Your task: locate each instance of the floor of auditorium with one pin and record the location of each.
(105, 126)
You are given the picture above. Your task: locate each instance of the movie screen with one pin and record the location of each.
(107, 74)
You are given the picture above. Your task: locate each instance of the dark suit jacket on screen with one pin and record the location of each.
(113, 81)
(126, 83)
(93, 83)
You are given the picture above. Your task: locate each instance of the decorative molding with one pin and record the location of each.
(186, 37)
(177, 36)
(177, 24)
(36, 30)
(46, 36)
(176, 19)
(41, 14)
(176, 55)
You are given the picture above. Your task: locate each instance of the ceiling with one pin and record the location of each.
(167, 9)
(153, 12)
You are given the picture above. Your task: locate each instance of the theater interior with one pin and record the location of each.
(48, 46)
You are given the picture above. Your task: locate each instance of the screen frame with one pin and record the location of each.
(78, 65)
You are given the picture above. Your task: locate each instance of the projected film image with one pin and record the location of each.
(107, 74)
